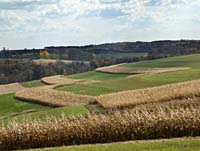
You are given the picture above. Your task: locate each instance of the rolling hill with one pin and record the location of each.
(102, 125)
(120, 82)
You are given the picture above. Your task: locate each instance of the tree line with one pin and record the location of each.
(20, 70)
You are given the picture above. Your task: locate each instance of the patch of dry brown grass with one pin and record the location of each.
(163, 120)
(10, 88)
(50, 97)
(149, 95)
(59, 80)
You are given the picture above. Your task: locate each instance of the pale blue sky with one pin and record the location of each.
(39, 23)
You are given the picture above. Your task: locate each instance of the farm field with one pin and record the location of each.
(176, 118)
(48, 113)
(10, 88)
(120, 82)
(151, 106)
(150, 95)
(10, 105)
(52, 98)
(93, 75)
(12, 109)
(35, 83)
(190, 144)
(122, 69)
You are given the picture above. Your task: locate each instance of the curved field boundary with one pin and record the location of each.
(150, 95)
(60, 81)
(10, 88)
(47, 95)
(125, 70)
(53, 98)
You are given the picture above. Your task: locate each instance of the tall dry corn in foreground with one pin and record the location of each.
(165, 120)
(149, 95)
(50, 97)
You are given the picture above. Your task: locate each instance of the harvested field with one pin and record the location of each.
(163, 120)
(10, 88)
(149, 95)
(58, 80)
(125, 70)
(46, 62)
(47, 96)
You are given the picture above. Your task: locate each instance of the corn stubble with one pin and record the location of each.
(162, 120)
(149, 95)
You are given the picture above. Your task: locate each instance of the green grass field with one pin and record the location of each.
(192, 61)
(35, 83)
(10, 105)
(108, 83)
(169, 145)
(92, 75)
(49, 113)
(13, 109)
(119, 82)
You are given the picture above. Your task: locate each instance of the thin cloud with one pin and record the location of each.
(18, 5)
(95, 21)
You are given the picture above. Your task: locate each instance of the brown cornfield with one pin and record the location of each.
(149, 95)
(10, 88)
(51, 97)
(162, 120)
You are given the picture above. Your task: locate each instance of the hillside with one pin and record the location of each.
(119, 82)
(87, 109)
(168, 47)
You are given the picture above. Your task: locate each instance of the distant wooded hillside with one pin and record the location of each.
(89, 52)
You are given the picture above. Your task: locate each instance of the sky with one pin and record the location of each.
(40, 23)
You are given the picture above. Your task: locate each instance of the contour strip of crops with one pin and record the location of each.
(149, 95)
(51, 97)
(162, 120)
(59, 80)
(9, 88)
(120, 69)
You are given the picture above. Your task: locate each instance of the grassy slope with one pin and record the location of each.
(9, 105)
(92, 75)
(35, 83)
(50, 113)
(92, 89)
(179, 61)
(170, 145)
(114, 82)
